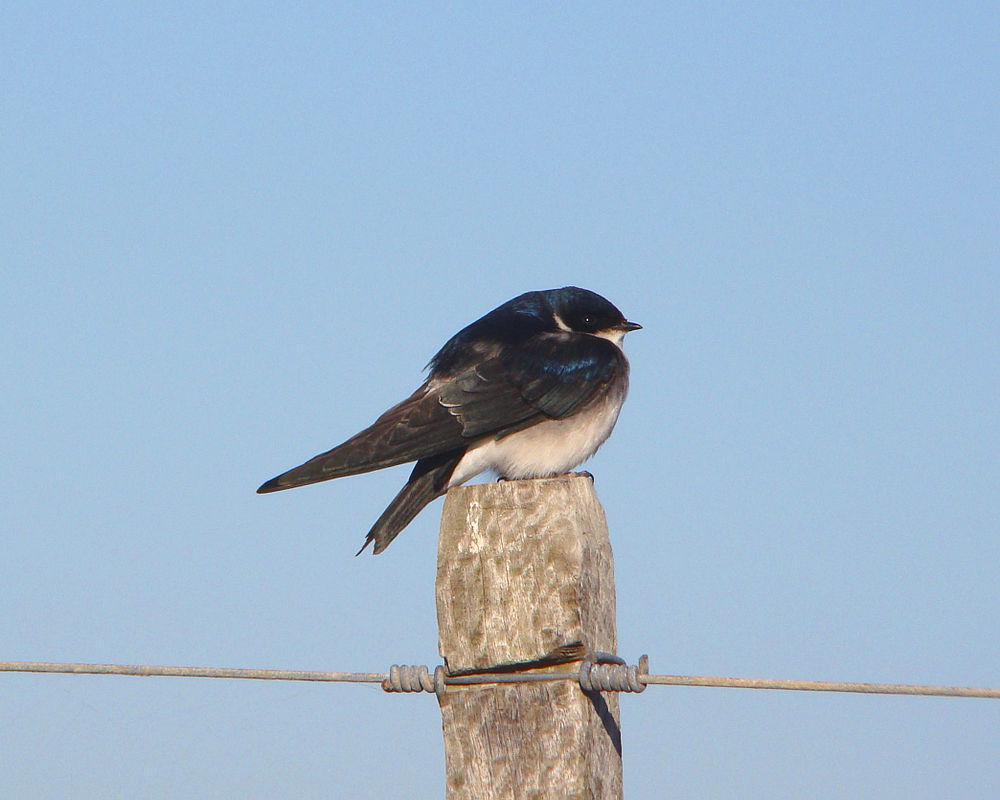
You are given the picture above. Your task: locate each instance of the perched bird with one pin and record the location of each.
(530, 390)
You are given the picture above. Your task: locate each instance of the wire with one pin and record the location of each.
(822, 686)
(150, 671)
(593, 677)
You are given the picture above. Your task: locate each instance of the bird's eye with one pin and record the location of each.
(588, 321)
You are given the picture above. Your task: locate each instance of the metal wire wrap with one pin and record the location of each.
(597, 677)
(414, 678)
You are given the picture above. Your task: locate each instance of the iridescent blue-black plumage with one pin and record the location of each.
(541, 357)
(527, 315)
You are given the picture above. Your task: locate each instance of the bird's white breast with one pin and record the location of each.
(551, 447)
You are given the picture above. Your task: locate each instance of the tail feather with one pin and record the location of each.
(429, 480)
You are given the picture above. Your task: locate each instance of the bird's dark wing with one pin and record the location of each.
(417, 427)
(549, 377)
(552, 376)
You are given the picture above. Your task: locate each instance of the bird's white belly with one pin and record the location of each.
(548, 448)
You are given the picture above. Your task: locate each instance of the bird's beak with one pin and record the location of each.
(628, 327)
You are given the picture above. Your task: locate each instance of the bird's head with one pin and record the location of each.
(584, 311)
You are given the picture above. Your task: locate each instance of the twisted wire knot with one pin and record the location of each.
(414, 678)
(614, 677)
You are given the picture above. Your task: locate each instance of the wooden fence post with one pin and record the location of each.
(525, 581)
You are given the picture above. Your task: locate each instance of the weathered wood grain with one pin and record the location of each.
(526, 577)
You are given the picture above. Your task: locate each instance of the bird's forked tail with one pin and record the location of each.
(429, 480)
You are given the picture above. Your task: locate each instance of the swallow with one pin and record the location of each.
(530, 390)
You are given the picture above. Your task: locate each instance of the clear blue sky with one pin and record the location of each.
(233, 234)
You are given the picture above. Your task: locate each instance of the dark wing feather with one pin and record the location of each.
(417, 427)
(551, 377)
(485, 401)
(559, 386)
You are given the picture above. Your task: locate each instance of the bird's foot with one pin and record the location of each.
(502, 479)
(583, 474)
